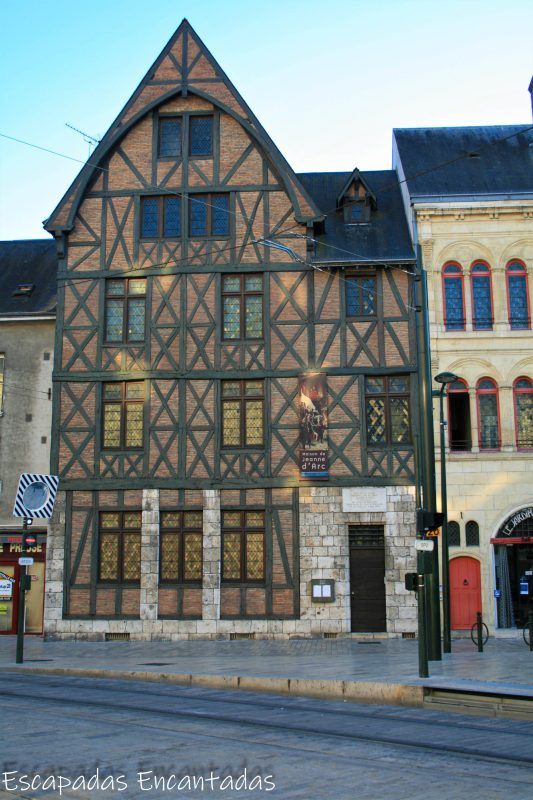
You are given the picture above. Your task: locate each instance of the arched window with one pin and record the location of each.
(472, 534)
(523, 413)
(517, 296)
(454, 534)
(459, 428)
(488, 416)
(481, 297)
(454, 306)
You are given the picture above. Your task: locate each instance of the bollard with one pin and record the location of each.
(530, 626)
(479, 623)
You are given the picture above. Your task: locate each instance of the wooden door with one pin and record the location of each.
(367, 580)
(465, 592)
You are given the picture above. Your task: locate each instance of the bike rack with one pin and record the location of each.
(479, 632)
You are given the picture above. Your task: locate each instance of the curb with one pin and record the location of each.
(355, 691)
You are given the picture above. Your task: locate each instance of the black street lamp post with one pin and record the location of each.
(444, 378)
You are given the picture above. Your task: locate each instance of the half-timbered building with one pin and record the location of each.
(234, 380)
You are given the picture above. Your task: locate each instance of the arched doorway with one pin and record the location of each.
(513, 552)
(465, 594)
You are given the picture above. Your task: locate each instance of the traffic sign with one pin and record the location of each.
(36, 495)
(25, 561)
(425, 546)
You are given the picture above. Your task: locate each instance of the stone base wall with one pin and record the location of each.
(324, 554)
(324, 548)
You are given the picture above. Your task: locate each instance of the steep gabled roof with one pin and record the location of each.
(30, 263)
(491, 161)
(185, 66)
(384, 238)
(356, 177)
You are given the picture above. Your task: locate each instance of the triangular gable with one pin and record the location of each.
(184, 66)
(358, 179)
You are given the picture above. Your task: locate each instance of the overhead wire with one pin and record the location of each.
(15, 388)
(281, 231)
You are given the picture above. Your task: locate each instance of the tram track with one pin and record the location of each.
(347, 723)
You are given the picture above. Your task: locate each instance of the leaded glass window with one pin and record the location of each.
(243, 546)
(242, 304)
(172, 133)
(181, 545)
(481, 297)
(161, 217)
(242, 414)
(201, 136)
(387, 411)
(454, 534)
(119, 547)
(361, 295)
(487, 399)
(523, 401)
(517, 290)
(125, 310)
(472, 534)
(170, 137)
(454, 313)
(209, 215)
(123, 415)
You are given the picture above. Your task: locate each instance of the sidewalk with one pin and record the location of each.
(368, 670)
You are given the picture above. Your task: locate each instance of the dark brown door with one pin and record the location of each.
(367, 579)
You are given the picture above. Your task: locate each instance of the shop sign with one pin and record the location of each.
(6, 588)
(313, 419)
(515, 520)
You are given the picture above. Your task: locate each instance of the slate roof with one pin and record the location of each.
(385, 238)
(446, 157)
(31, 261)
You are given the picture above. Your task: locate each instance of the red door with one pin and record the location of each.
(465, 594)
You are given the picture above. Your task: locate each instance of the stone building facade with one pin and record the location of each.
(27, 327)
(476, 239)
(235, 381)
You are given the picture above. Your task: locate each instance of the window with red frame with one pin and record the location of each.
(488, 416)
(460, 430)
(454, 306)
(523, 412)
(517, 296)
(482, 317)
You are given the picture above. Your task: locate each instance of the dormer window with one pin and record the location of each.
(356, 211)
(356, 200)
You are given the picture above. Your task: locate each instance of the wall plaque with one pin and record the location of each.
(364, 499)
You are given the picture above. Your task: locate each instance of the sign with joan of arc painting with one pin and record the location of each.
(313, 416)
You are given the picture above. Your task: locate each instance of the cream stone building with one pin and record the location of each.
(473, 219)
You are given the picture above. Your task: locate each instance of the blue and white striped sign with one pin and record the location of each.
(36, 495)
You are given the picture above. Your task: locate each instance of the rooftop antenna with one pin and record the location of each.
(92, 141)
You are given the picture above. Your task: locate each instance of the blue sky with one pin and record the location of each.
(328, 80)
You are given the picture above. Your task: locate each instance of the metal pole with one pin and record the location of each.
(430, 560)
(422, 644)
(446, 633)
(22, 598)
(479, 623)
(530, 625)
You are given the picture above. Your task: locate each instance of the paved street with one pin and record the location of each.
(283, 747)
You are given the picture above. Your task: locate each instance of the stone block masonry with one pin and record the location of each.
(324, 553)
